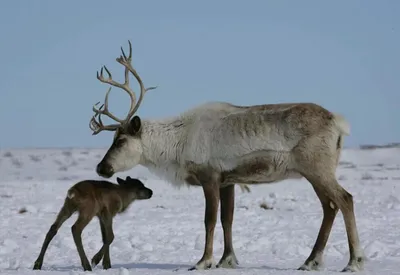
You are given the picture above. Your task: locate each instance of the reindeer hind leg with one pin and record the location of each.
(314, 261)
(333, 196)
(318, 166)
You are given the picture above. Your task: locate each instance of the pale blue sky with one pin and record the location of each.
(344, 55)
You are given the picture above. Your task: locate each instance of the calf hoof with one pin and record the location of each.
(87, 267)
(96, 260)
(37, 265)
(106, 265)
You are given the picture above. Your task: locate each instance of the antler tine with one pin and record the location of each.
(95, 126)
(127, 63)
(151, 88)
(98, 126)
(143, 91)
(129, 59)
(124, 86)
(105, 110)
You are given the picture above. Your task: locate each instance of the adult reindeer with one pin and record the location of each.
(216, 145)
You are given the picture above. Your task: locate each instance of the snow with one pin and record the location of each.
(165, 235)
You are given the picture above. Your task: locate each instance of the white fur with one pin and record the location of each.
(70, 194)
(342, 124)
(128, 156)
(260, 144)
(217, 134)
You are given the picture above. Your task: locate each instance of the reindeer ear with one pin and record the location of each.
(134, 125)
(128, 178)
(120, 181)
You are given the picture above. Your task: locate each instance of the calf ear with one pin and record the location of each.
(120, 181)
(134, 125)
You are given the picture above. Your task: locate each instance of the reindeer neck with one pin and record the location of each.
(161, 140)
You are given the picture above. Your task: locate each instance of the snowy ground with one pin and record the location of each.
(166, 233)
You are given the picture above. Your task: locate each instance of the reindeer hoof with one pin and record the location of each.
(351, 269)
(203, 264)
(355, 265)
(229, 261)
(196, 268)
(311, 265)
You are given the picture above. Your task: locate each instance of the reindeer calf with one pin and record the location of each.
(95, 198)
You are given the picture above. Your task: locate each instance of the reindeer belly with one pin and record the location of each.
(251, 173)
(260, 167)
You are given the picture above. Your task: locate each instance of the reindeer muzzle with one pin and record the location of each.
(104, 170)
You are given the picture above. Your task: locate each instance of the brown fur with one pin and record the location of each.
(92, 198)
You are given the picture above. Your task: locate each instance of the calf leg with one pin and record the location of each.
(99, 255)
(244, 188)
(227, 198)
(107, 223)
(65, 212)
(77, 228)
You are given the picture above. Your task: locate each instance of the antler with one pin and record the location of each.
(98, 126)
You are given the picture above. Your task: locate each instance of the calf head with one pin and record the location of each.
(136, 187)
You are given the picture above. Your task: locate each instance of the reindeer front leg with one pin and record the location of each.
(227, 197)
(211, 194)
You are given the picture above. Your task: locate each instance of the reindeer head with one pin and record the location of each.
(126, 149)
